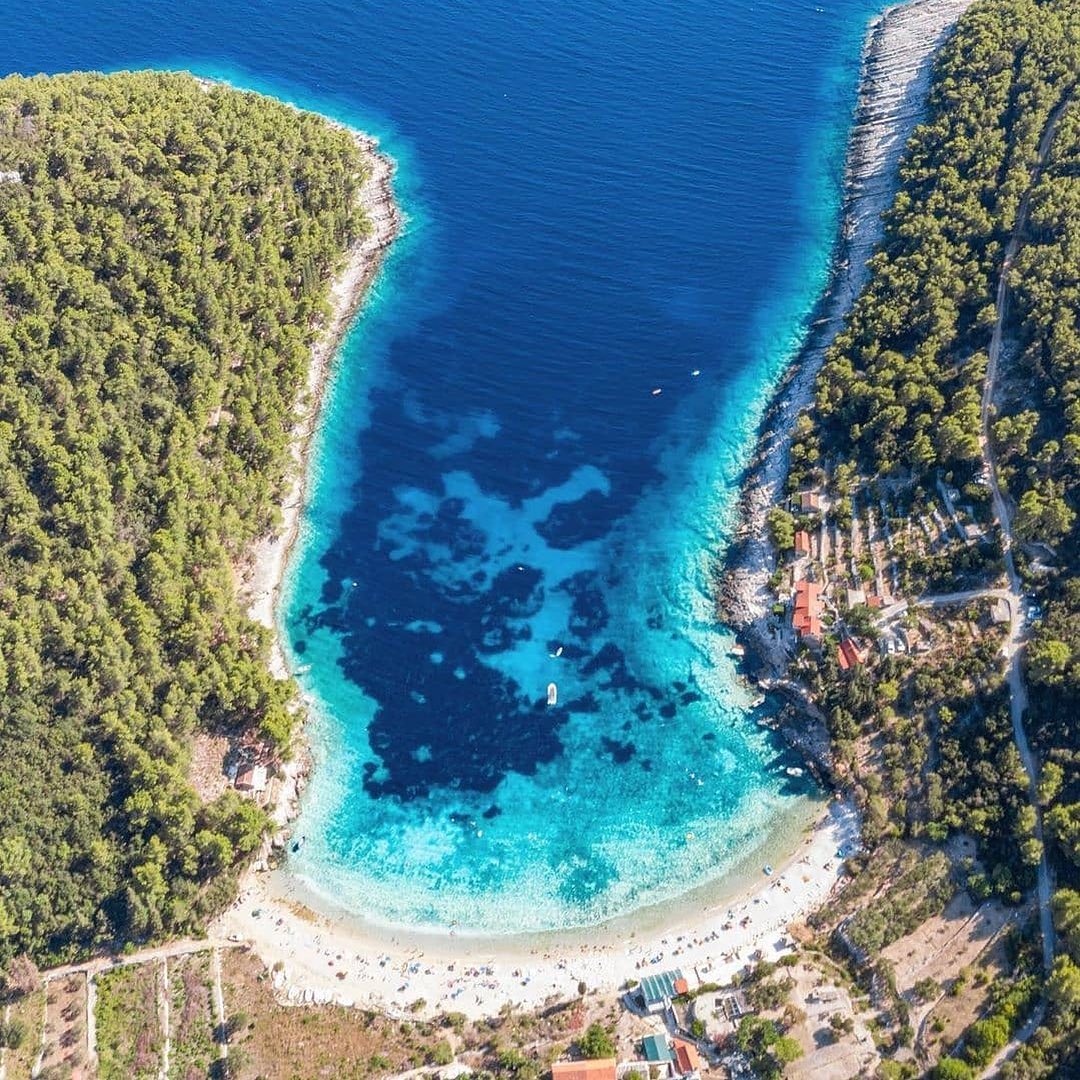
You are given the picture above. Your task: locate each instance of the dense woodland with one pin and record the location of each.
(898, 405)
(165, 256)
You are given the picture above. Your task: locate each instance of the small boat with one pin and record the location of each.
(552, 694)
(758, 702)
(794, 770)
(768, 870)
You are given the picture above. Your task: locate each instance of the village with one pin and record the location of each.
(854, 577)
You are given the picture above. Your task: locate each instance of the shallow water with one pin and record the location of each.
(603, 201)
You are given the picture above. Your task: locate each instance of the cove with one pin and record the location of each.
(601, 202)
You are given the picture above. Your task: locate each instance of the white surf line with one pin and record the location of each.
(220, 1036)
(91, 1022)
(163, 1009)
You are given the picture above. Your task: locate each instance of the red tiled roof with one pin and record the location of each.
(802, 542)
(599, 1069)
(807, 616)
(848, 655)
(686, 1056)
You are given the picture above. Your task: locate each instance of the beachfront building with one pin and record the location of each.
(806, 618)
(656, 1050)
(674, 1057)
(252, 778)
(656, 991)
(687, 1058)
(596, 1069)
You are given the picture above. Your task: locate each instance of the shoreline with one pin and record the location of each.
(897, 61)
(328, 956)
(267, 563)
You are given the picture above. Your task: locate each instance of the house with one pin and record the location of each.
(251, 778)
(687, 1058)
(806, 618)
(849, 655)
(597, 1069)
(802, 542)
(656, 1049)
(656, 991)
(910, 637)
(855, 597)
(809, 502)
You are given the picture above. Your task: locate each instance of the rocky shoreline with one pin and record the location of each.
(897, 64)
(264, 572)
(896, 67)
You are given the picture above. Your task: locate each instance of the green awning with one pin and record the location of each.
(655, 1048)
(655, 989)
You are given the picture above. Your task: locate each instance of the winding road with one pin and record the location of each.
(1013, 648)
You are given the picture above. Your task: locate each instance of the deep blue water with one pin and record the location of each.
(603, 200)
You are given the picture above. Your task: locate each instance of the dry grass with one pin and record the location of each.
(208, 754)
(955, 1013)
(280, 1042)
(129, 1032)
(945, 943)
(191, 1018)
(29, 1011)
(65, 1026)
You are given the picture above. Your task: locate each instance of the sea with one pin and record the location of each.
(619, 218)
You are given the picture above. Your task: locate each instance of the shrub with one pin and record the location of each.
(596, 1042)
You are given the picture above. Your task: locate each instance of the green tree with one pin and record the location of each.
(596, 1042)
(782, 528)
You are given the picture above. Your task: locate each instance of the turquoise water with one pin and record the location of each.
(601, 201)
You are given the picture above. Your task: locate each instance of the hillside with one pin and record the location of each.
(935, 484)
(166, 252)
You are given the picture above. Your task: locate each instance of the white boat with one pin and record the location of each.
(794, 770)
(553, 694)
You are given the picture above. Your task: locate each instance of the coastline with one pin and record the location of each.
(332, 956)
(264, 573)
(897, 62)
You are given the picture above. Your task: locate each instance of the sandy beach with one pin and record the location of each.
(322, 956)
(334, 959)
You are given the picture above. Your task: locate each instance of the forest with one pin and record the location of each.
(898, 404)
(166, 251)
